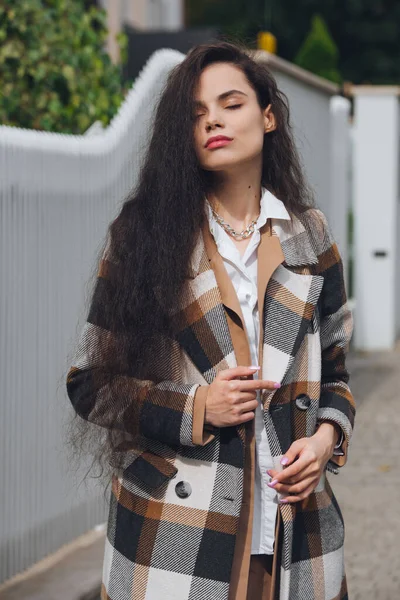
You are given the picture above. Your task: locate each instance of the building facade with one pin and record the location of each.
(143, 15)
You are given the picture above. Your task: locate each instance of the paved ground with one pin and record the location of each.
(367, 489)
(74, 573)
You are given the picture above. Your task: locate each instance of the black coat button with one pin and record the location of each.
(183, 489)
(303, 402)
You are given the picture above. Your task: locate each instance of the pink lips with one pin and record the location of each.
(218, 141)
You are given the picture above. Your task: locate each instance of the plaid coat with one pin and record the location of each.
(175, 505)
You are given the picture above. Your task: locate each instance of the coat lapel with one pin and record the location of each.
(269, 257)
(233, 312)
(295, 242)
(211, 321)
(228, 294)
(291, 296)
(208, 300)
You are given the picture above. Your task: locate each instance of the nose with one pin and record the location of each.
(212, 123)
(212, 126)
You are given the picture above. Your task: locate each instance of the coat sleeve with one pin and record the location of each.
(336, 401)
(168, 411)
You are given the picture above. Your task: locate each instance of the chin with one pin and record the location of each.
(224, 165)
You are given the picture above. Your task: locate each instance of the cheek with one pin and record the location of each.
(204, 156)
(257, 128)
(198, 145)
(251, 141)
(249, 131)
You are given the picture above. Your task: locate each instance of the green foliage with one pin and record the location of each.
(367, 32)
(319, 53)
(55, 74)
(235, 19)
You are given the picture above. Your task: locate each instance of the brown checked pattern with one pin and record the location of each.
(175, 504)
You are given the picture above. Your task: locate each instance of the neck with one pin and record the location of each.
(236, 196)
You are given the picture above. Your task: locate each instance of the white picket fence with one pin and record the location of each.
(57, 195)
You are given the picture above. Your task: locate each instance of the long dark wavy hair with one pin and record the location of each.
(153, 236)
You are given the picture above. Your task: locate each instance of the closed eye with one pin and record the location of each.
(232, 107)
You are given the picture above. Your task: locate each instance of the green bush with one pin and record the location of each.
(319, 53)
(55, 74)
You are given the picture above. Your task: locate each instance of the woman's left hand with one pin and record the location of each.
(300, 477)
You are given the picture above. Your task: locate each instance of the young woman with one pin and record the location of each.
(213, 357)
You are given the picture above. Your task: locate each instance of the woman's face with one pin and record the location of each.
(226, 105)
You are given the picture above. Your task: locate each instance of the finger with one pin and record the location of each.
(297, 498)
(272, 473)
(245, 397)
(293, 452)
(309, 471)
(243, 418)
(257, 384)
(301, 463)
(300, 488)
(248, 406)
(237, 372)
(295, 490)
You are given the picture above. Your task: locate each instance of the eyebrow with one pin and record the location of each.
(223, 96)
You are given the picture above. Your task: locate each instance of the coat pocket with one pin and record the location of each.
(151, 469)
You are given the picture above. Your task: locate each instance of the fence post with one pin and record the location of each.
(340, 175)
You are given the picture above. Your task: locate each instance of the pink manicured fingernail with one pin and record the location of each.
(284, 460)
(254, 367)
(273, 482)
(277, 385)
(269, 473)
(283, 501)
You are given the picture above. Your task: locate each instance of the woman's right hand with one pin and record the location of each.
(231, 400)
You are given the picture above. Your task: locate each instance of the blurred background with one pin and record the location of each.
(79, 80)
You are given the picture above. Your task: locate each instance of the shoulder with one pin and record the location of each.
(315, 220)
(318, 229)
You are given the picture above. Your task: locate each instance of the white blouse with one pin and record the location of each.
(243, 273)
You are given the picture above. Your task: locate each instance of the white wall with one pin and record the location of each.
(376, 207)
(310, 112)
